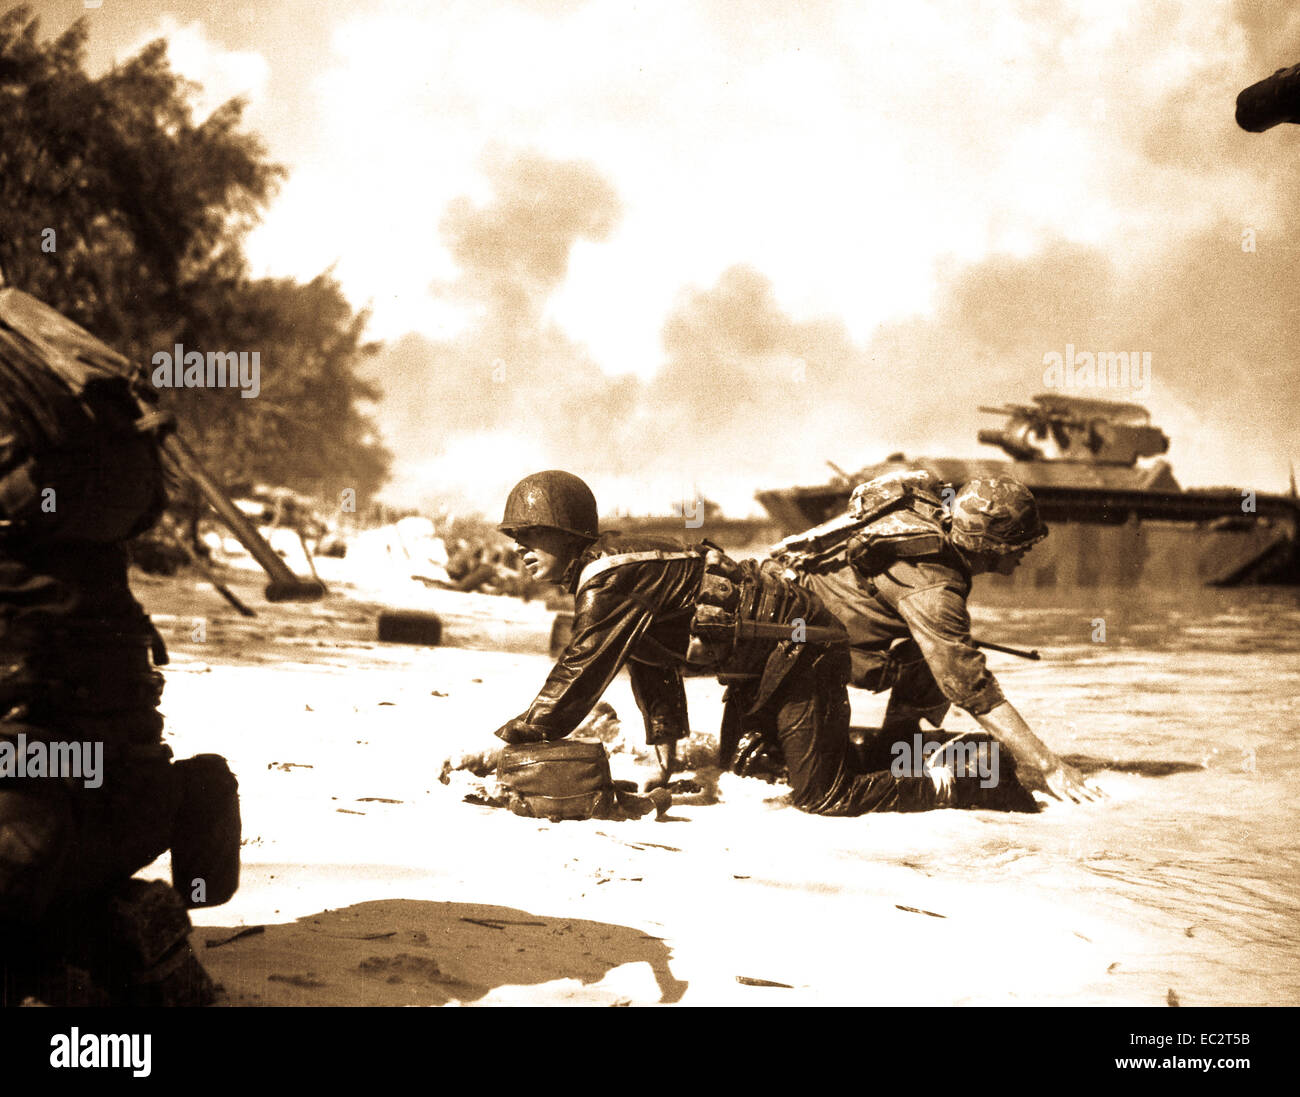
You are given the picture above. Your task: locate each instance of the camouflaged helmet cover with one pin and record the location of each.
(551, 500)
(996, 515)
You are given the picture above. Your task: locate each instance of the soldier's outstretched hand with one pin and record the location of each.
(1067, 783)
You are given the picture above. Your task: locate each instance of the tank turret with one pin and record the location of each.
(1100, 432)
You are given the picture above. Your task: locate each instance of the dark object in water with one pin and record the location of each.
(410, 627)
(1088, 765)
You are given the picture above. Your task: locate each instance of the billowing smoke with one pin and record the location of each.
(512, 393)
(750, 396)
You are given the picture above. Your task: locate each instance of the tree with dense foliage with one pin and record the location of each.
(121, 210)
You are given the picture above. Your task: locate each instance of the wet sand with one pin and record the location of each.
(367, 881)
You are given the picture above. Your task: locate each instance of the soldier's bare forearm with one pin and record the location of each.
(1041, 770)
(1005, 724)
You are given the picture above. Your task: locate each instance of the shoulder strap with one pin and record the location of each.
(605, 563)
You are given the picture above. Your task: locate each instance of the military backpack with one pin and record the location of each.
(79, 458)
(895, 516)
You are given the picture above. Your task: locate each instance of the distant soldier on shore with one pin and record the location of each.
(898, 580)
(663, 610)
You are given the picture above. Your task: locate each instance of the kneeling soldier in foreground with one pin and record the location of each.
(663, 609)
(88, 792)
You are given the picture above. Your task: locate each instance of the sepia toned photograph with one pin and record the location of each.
(574, 503)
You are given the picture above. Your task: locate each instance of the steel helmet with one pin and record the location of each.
(996, 515)
(551, 499)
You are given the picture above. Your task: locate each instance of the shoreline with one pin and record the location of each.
(376, 885)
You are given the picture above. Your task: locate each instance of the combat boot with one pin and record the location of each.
(129, 949)
(152, 962)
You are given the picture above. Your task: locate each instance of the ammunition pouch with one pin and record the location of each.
(749, 615)
(726, 590)
(206, 832)
(753, 624)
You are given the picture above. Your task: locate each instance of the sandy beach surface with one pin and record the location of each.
(367, 881)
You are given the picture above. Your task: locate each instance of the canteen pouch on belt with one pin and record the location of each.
(559, 779)
(717, 610)
(206, 834)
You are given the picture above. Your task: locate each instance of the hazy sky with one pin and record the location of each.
(731, 240)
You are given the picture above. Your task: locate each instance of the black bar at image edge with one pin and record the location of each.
(331, 1044)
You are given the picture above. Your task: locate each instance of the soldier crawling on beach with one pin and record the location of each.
(664, 610)
(897, 571)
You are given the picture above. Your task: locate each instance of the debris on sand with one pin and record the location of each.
(638, 845)
(747, 981)
(918, 910)
(410, 626)
(247, 931)
(498, 923)
(305, 981)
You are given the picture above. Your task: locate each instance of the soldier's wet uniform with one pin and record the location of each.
(921, 602)
(895, 572)
(636, 598)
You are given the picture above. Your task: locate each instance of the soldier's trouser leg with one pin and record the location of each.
(62, 843)
(35, 824)
(661, 698)
(747, 742)
(915, 692)
(811, 712)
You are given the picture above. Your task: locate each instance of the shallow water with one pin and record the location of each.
(1185, 878)
(1187, 711)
